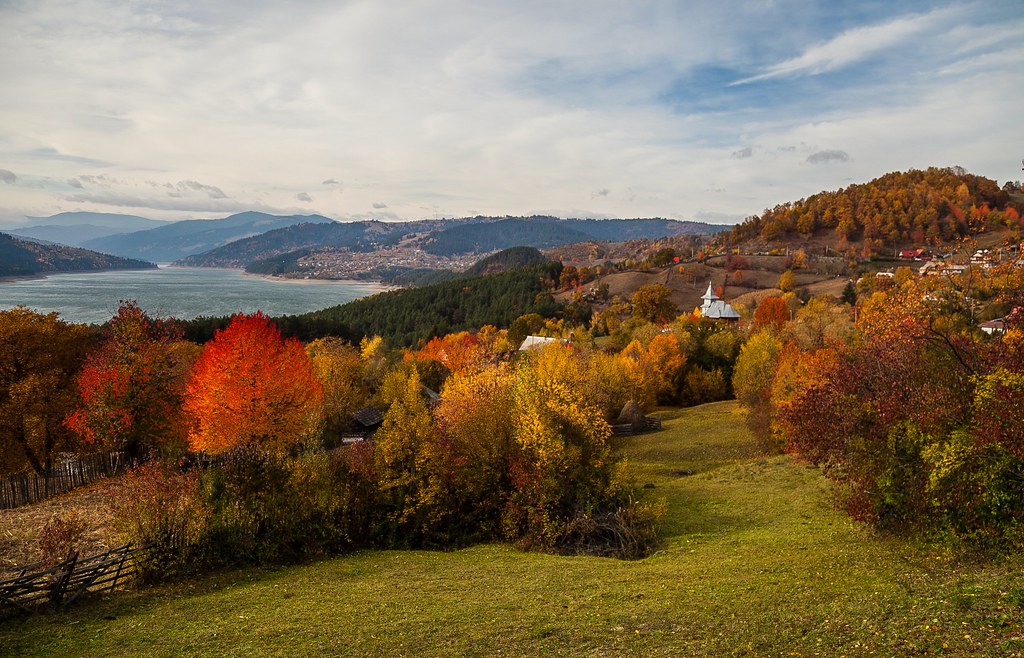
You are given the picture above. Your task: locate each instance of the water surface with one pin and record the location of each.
(180, 292)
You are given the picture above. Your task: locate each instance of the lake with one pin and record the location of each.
(180, 292)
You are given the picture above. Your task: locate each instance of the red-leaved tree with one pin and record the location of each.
(131, 387)
(250, 387)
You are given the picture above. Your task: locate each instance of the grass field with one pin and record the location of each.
(756, 561)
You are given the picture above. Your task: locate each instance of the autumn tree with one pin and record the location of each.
(250, 387)
(39, 358)
(342, 374)
(131, 387)
(562, 464)
(652, 303)
(787, 281)
(752, 382)
(401, 457)
(771, 312)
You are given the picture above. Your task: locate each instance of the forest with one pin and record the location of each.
(934, 206)
(26, 258)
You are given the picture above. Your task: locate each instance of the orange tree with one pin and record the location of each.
(252, 388)
(39, 356)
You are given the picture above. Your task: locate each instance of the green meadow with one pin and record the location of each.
(756, 560)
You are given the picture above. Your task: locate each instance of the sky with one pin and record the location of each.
(405, 110)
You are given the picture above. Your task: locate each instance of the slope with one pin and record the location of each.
(23, 258)
(180, 239)
(756, 561)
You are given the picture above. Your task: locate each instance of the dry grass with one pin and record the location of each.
(20, 527)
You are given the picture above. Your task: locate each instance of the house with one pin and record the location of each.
(717, 309)
(368, 420)
(538, 342)
(921, 254)
(996, 326)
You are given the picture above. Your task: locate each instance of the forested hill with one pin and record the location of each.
(358, 236)
(544, 232)
(22, 258)
(902, 208)
(404, 317)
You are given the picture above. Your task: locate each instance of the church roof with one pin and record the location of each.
(720, 310)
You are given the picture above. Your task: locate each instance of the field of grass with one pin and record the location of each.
(756, 561)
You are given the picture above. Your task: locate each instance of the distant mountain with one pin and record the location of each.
(178, 240)
(76, 228)
(303, 238)
(545, 232)
(22, 258)
(466, 236)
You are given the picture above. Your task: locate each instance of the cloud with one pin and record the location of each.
(745, 152)
(74, 182)
(823, 157)
(852, 46)
(380, 206)
(603, 192)
(209, 190)
(302, 196)
(50, 153)
(8, 176)
(179, 202)
(330, 181)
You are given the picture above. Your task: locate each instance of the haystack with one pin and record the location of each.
(633, 415)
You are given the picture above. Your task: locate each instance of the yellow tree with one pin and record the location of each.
(401, 459)
(39, 357)
(341, 372)
(563, 464)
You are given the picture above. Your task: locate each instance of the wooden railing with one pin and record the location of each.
(24, 488)
(61, 584)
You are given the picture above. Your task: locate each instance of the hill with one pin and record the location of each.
(301, 239)
(756, 560)
(897, 210)
(544, 232)
(76, 228)
(443, 240)
(24, 258)
(403, 317)
(177, 240)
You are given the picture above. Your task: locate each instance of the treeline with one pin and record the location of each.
(240, 436)
(404, 317)
(24, 258)
(914, 207)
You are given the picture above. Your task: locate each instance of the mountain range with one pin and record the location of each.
(76, 228)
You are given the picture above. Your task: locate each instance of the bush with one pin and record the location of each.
(162, 508)
(59, 537)
(628, 531)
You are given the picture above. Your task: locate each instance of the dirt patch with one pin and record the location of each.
(20, 527)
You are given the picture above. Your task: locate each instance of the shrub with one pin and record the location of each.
(59, 537)
(162, 508)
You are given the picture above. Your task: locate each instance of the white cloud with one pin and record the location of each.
(852, 46)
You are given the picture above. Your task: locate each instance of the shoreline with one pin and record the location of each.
(46, 275)
(384, 287)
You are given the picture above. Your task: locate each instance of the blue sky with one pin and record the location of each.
(407, 110)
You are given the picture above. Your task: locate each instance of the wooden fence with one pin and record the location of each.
(24, 488)
(59, 585)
